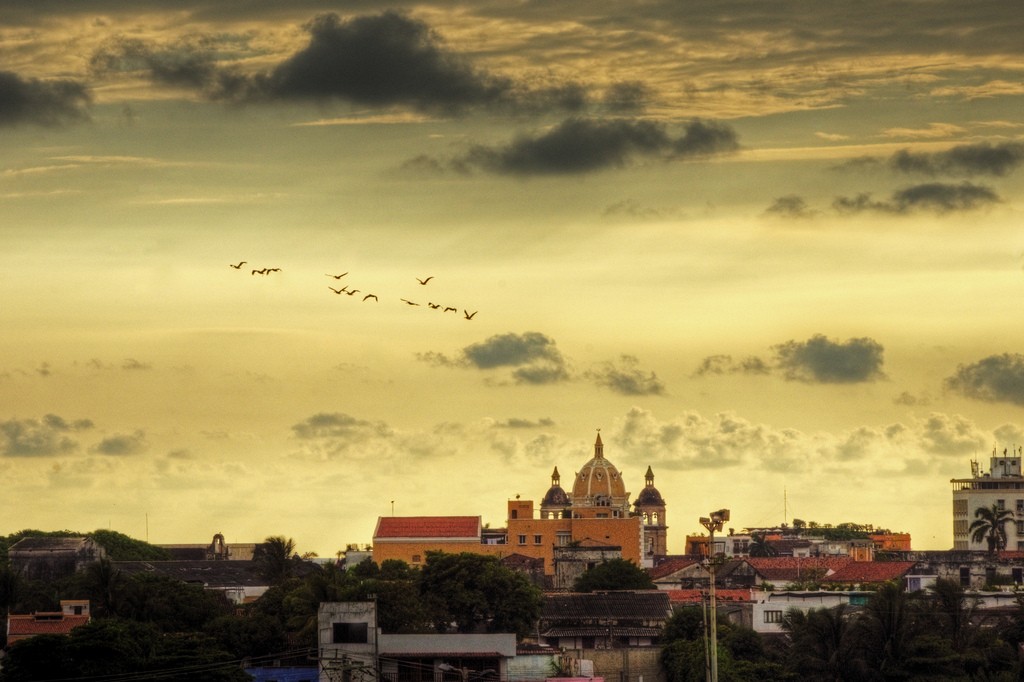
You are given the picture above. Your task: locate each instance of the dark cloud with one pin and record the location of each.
(40, 438)
(583, 145)
(133, 364)
(45, 103)
(706, 138)
(534, 356)
(122, 445)
(997, 378)
(384, 59)
(936, 196)
(983, 158)
(820, 360)
(515, 423)
(627, 97)
(512, 350)
(338, 425)
(724, 364)
(625, 376)
(189, 62)
(789, 206)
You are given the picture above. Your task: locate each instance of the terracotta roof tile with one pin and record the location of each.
(23, 626)
(451, 527)
(871, 572)
(670, 566)
(698, 596)
(795, 568)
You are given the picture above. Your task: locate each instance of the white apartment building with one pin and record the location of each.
(1002, 485)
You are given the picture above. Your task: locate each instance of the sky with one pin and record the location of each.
(284, 268)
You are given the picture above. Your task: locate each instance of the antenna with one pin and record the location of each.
(785, 505)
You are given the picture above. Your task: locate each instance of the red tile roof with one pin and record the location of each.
(428, 527)
(25, 626)
(871, 572)
(796, 568)
(670, 566)
(679, 597)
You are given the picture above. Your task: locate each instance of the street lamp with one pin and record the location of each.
(713, 523)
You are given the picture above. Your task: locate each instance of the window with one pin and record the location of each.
(513, 514)
(1020, 528)
(773, 616)
(522, 539)
(563, 538)
(416, 558)
(1001, 504)
(350, 633)
(538, 539)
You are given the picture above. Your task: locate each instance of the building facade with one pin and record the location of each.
(1002, 486)
(597, 512)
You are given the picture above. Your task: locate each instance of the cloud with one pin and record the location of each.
(997, 378)
(724, 364)
(820, 360)
(38, 102)
(132, 364)
(627, 96)
(790, 206)
(338, 425)
(626, 378)
(515, 423)
(943, 434)
(122, 445)
(40, 438)
(385, 59)
(188, 62)
(536, 358)
(582, 145)
(937, 197)
(933, 130)
(982, 158)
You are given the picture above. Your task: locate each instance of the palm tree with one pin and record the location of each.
(990, 526)
(759, 546)
(275, 558)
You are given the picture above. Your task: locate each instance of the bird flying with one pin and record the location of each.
(468, 315)
(239, 266)
(260, 272)
(336, 276)
(373, 296)
(409, 302)
(424, 281)
(449, 308)
(337, 291)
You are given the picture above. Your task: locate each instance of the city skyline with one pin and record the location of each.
(283, 269)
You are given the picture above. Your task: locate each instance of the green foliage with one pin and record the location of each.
(474, 590)
(614, 574)
(119, 647)
(277, 559)
(120, 547)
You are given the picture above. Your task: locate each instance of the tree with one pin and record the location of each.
(275, 558)
(474, 590)
(759, 545)
(822, 645)
(989, 526)
(614, 574)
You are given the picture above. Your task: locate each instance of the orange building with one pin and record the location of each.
(598, 510)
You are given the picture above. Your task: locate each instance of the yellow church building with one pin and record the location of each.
(597, 512)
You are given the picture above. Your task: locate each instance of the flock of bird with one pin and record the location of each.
(368, 296)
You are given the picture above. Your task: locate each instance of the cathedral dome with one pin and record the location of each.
(649, 496)
(598, 478)
(556, 496)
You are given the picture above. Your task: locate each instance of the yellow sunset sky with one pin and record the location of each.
(772, 250)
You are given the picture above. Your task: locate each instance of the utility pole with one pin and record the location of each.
(715, 522)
